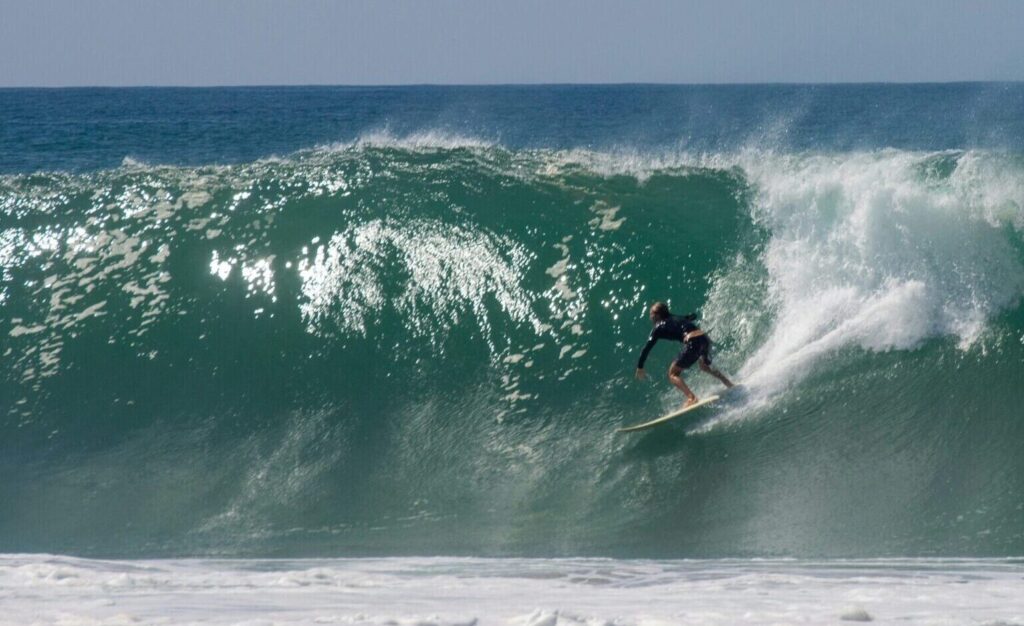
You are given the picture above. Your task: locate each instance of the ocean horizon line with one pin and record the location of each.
(513, 84)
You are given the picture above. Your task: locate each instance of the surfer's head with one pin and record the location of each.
(659, 311)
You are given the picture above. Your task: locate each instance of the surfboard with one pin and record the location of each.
(669, 417)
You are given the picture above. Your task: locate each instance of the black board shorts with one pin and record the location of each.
(696, 348)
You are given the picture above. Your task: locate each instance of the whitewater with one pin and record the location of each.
(454, 592)
(367, 366)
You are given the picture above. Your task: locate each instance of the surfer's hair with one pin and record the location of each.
(660, 310)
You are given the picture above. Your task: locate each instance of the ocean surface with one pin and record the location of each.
(401, 324)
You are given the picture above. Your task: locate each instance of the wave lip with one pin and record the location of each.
(422, 140)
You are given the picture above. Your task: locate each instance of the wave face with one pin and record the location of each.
(422, 344)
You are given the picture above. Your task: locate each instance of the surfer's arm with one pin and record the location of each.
(653, 339)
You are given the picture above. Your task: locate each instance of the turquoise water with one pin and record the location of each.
(404, 322)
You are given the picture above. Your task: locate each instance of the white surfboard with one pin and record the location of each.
(670, 416)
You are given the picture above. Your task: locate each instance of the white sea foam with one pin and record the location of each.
(131, 163)
(41, 589)
(423, 140)
(873, 251)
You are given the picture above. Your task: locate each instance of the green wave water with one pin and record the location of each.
(424, 347)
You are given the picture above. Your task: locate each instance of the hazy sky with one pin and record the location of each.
(279, 42)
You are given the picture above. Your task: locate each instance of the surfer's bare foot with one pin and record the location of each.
(690, 402)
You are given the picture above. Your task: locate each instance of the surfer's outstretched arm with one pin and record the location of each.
(653, 339)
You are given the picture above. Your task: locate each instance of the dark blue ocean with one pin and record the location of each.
(88, 129)
(341, 321)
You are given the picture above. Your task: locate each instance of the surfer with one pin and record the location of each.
(696, 348)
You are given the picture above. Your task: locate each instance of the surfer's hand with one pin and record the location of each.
(640, 373)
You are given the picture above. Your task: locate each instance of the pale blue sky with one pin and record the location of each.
(279, 42)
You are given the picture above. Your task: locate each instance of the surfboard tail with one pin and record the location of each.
(669, 417)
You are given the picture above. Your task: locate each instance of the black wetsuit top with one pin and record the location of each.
(674, 328)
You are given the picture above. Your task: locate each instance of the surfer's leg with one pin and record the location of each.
(674, 375)
(705, 362)
(717, 374)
